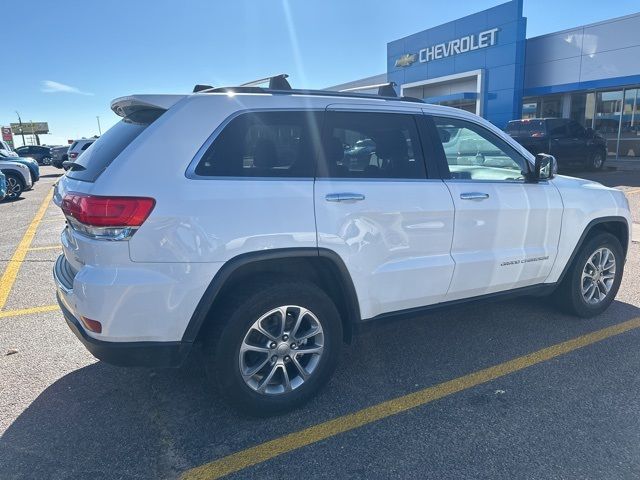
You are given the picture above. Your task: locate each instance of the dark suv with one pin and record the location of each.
(565, 139)
(39, 153)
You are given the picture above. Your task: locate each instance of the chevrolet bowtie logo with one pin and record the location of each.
(406, 60)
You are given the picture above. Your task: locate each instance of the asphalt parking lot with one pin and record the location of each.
(508, 390)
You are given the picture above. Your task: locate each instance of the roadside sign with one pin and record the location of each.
(30, 128)
(7, 136)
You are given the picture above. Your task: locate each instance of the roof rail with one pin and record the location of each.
(278, 85)
(276, 82)
(386, 89)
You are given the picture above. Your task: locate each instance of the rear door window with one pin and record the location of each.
(371, 145)
(557, 127)
(264, 144)
(86, 145)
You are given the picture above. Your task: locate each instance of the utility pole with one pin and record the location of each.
(21, 131)
(99, 129)
(33, 132)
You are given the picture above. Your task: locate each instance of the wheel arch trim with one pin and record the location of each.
(585, 233)
(226, 272)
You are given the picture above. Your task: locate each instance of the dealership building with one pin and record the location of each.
(484, 63)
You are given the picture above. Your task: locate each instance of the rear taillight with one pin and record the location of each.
(73, 155)
(108, 218)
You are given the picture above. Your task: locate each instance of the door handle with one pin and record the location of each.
(344, 197)
(474, 196)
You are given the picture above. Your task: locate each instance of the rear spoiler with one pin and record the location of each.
(126, 106)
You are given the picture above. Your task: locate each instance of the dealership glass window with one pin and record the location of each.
(607, 118)
(530, 107)
(629, 145)
(551, 106)
(583, 106)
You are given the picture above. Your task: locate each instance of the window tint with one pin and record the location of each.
(371, 145)
(104, 150)
(557, 128)
(576, 130)
(475, 153)
(86, 145)
(526, 127)
(264, 144)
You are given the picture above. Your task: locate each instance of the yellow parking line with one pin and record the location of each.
(29, 311)
(47, 247)
(11, 272)
(293, 441)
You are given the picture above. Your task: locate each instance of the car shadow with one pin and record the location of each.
(52, 175)
(106, 422)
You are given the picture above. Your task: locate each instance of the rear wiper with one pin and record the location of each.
(73, 166)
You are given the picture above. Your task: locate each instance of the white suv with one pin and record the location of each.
(269, 225)
(77, 148)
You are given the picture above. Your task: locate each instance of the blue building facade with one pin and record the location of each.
(476, 63)
(484, 63)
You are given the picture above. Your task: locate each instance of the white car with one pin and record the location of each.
(18, 178)
(77, 148)
(253, 236)
(6, 150)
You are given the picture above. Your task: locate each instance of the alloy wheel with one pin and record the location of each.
(14, 189)
(598, 276)
(597, 161)
(281, 350)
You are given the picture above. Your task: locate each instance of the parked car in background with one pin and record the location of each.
(39, 153)
(31, 164)
(18, 177)
(77, 147)
(3, 186)
(568, 141)
(5, 150)
(59, 155)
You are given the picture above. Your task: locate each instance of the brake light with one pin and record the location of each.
(110, 218)
(73, 155)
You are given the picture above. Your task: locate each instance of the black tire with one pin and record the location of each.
(235, 319)
(596, 160)
(568, 295)
(15, 186)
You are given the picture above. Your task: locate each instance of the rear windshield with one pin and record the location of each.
(525, 127)
(72, 145)
(105, 149)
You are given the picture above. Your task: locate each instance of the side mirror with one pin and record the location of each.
(545, 167)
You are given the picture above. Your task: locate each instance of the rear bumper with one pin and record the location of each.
(125, 354)
(129, 354)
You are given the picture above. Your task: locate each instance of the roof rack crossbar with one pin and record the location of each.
(386, 89)
(276, 82)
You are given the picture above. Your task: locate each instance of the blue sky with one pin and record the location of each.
(75, 56)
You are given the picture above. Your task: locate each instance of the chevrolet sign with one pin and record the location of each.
(468, 43)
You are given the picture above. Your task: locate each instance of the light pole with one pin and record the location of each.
(21, 131)
(99, 129)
